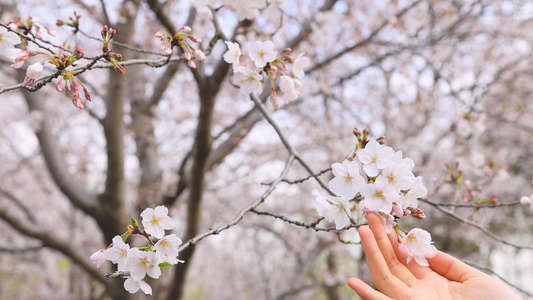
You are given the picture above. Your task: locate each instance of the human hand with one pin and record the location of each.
(445, 278)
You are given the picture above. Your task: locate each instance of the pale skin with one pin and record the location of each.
(445, 278)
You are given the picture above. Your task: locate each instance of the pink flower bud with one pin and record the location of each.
(98, 258)
(195, 39)
(88, 95)
(186, 29)
(77, 101)
(397, 209)
(187, 54)
(199, 54)
(191, 64)
(160, 35)
(59, 86)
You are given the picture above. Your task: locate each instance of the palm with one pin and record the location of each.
(445, 278)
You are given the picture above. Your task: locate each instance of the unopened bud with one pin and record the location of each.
(104, 32)
(195, 39)
(525, 200)
(60, 23)
(186, 29)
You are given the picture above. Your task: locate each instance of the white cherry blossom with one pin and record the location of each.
(418, 190)
(248, 80)
(333, 209)
(347, 181)
(375, 157)
(7, 40)
(133, 286)
(156, 221)
(379, 196)
(417, 244)
(233, 55)
(167, 249)
(119, 253)
(262, 53)
(142, 263)
(300, 63)
(399, 175)
(289, 88)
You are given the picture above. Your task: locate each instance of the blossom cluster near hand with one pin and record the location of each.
(136, 263)
(380, 180)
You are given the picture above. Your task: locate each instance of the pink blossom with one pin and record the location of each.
(98, 258)
(33, 72)
(199, 54)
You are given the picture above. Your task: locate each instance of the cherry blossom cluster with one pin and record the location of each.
(379, 180)
(134, 263)
(184, 40)
(261, 62)
(243, 9)
(26, 32)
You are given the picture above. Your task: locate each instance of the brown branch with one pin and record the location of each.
(55, 162)
(479, 227)
(50, 240)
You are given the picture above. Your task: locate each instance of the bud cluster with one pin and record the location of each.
(183, 39)
(72, 22)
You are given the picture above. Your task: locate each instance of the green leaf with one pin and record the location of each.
(164, 265)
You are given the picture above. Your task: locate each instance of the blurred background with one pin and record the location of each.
(447, 82)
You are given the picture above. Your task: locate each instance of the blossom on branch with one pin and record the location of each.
(98, 258)
(374, 157)
(333, 209)
(156, 221)
(119, 253)
(232, 56)
(262, 53)
(7, 40)
(167, 249)
(249, 80)
(300, 63)
(133, 286)
(33, 71)
(142, 263)
(348, 181)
